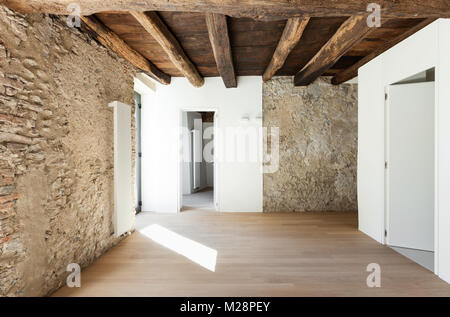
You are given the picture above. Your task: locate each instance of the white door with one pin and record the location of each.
(410, 166)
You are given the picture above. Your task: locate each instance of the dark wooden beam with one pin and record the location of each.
(292, 34)
(153, 24)
(351, 32)
(352, 71)
(112, 41)
(258, 9)
(220, 42)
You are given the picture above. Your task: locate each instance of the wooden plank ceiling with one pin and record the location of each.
(196, 39)
(253, 42)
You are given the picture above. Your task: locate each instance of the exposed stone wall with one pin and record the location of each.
(318, 146)
(56, 150)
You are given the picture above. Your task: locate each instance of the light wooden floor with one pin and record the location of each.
(257, 255)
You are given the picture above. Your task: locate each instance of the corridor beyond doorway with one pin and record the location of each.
(198, 168)
(203, 200)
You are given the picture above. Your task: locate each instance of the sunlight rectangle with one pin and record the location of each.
(194, 251)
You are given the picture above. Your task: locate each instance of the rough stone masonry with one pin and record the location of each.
(56, 150)
(318, 146)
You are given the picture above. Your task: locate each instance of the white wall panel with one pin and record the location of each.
(123, 200)
(239, 186)
(426, 49)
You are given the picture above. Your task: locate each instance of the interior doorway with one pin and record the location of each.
(138, 165)
(410, 169)
(198, 179)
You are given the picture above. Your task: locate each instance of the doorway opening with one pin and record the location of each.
(138, 165)
(198, 176)
(410, 168)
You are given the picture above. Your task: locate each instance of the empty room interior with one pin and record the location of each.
(216, 149)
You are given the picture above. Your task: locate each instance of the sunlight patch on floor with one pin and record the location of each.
(194, 251)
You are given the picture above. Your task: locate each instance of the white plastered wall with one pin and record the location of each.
(239, 184)
(426, 49)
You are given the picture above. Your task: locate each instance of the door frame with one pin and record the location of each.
(386, 240)
(138, 141)
(216, 156)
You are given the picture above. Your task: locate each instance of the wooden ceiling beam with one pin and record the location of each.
(351, 32)
(112, 41)
(220, 42)
(352, 71)
(292, 34)
(153, 24)
(258, 9)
